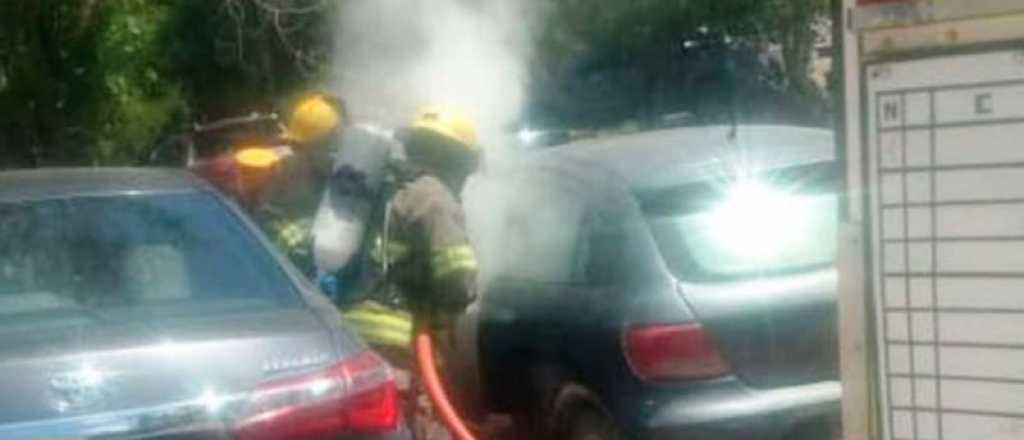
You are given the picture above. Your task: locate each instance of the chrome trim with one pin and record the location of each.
(180, 417)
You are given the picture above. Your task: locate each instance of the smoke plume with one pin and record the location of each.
(397, 55)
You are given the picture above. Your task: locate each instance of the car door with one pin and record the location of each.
(595, 305)
(532, 278)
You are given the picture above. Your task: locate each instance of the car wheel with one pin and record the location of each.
(590, 424)
(822, 430)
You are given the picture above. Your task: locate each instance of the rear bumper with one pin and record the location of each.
(727, 409)
(401, 434)
(186, 421)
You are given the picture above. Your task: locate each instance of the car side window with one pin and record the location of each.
(604, 242)
(529, 229)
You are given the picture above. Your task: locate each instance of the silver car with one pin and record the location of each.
(140, 304)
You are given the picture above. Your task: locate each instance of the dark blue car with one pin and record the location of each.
(676, 284)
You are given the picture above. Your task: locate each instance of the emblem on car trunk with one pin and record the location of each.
(81, 389)
(294, 361)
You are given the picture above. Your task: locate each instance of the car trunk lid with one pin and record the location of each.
(773, 332)
(93, 369)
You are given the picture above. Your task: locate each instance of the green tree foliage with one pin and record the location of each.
(599, 64)
(237, 56)
(139, 99)
(107, 81)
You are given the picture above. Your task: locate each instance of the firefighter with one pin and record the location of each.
(423, 247)
(297, 176)
(424, 244)
(315, 197)
(351, 211)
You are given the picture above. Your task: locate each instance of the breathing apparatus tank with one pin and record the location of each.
(359, 169)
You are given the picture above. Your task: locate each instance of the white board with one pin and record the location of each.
(945, 163)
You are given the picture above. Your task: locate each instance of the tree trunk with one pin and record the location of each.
(797, 46)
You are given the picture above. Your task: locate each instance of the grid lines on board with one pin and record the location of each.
(949, 206)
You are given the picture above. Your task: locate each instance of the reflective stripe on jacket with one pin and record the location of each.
(381, 325)
(438, 265)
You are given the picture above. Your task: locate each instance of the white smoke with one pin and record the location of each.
(397, 55)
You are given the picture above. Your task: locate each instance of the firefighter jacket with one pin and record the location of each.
(290, 202)
(424, 246)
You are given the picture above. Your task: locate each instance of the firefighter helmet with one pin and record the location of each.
(256, 165)
(257, 157)
(313, 119)
(448, 122)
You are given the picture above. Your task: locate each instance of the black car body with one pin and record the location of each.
(605, 310)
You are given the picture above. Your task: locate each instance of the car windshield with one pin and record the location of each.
(771, 224)
(130, 257)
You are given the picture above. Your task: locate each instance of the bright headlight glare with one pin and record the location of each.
(755, 220)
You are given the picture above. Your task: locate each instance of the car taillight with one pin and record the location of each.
(354, 396)
(220, 171)
(673, 352)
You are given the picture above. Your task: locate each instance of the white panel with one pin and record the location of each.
(919, 148)
(902, 424)
(983, 293)
(979, 427)
(977, 145)
(924, 359)
(923, 326)
(952, 182)
(935, 71)
(981, 257)
(892, 222)
(918, 109)
(991, 220)
(892, 150)
(899, 358)
(919, 187)
(895, 291)
(901, 392)
(991, 363)
(920, 257)
(921, 292)
(919, 222)
(897, 326)
(891, 111)
(892, 188)
(927, 425)
(895, 257)
(983, 328)
(972, 395)
(980, 185)
(979, 104)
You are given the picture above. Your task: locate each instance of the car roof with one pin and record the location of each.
(677, 156)
(47, 183)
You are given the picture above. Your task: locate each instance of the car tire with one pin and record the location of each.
(590, 424)
(820, 430)
(576, 414)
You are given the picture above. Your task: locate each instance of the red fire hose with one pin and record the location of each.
(424, 348)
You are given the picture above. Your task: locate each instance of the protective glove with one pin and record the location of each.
(332, 286)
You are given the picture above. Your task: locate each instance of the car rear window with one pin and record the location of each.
(132, 257)
(774, 223)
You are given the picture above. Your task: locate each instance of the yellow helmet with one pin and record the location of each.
(448, 122)
(313, 119)
(257, 157)
(256, 166)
